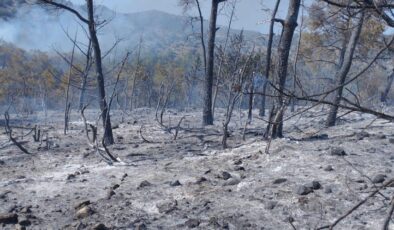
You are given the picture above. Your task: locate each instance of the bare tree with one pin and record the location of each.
(345, 67)
(92, 25)
(208, 83)
(289, 26)
(268, 58)
(385, 93)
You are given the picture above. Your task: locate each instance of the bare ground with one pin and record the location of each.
(193, 183)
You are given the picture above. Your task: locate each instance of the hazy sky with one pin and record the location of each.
(249, 13)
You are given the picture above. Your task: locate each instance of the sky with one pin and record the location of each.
(249, 13)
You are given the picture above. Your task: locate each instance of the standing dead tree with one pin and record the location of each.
(268, 58)
(208, 83)
(385, 93)
(289, 26)
(67, 109)
(345, 67)
(235, 69)
(92, 28)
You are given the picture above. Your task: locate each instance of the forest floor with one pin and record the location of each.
(192, 182)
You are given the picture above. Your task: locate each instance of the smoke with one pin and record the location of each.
(34, 27)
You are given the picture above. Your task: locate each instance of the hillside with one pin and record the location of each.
(37, 28)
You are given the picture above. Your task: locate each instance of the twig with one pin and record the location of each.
(9, 132)
(389, 215)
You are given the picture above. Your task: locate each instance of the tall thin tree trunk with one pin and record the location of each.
(204, 51)
(293, 100)
(268, 59)
(344, 70)
(208, 83)
(85, 76)
(67, 103)
(215, 95)
(108, 136)
(289, 26)
(390, 80)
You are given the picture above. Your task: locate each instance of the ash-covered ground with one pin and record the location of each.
(308, 180)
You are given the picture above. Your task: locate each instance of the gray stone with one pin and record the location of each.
(279, 181)
(303, 190)
(8, 218)
(167, 207)
(23, 221)
(271, 205)
(232, 181)
(327, 189)
(379, 178)
(225, 175)
(315, 185)
(192, 223)
(144, 184)
(175, 183)
(81, 204)
(100, 227)
(328, 168)
(338, 151)
(84, 212)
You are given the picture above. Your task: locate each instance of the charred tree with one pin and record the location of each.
(208, 83)
(344, 70)
(90, 22)
(386, 91)
(289, 26)
(268, 59)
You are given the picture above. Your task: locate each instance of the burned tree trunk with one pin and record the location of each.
(85, 76)
(268, 59)
(344, 70)
(289, 26)
(108, 136)
(208, 83)
(386, 91)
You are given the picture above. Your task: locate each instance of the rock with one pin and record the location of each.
(144, 184)
(201, 180)
(167, 207)
(100, 227)
(2, 162)
(378, 178)
(362, 135)
(232, 181)
(192, 223)
(3, 195)
(23, 221)
(271, 205)
(328, 168)
(238, 162)
(19, 227)
(115, 186)
(82, 204)
(279, 181)
(315, 185)
(140, 226)
(327, 189)
(239, 168)
(338, 151)
(26, 209)
(110, 193)
(70, 176)
(8, 218)
(123, 177)
(175, 183)
(225, 175)
(84, 212)
(303, 190)
(391, 140)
